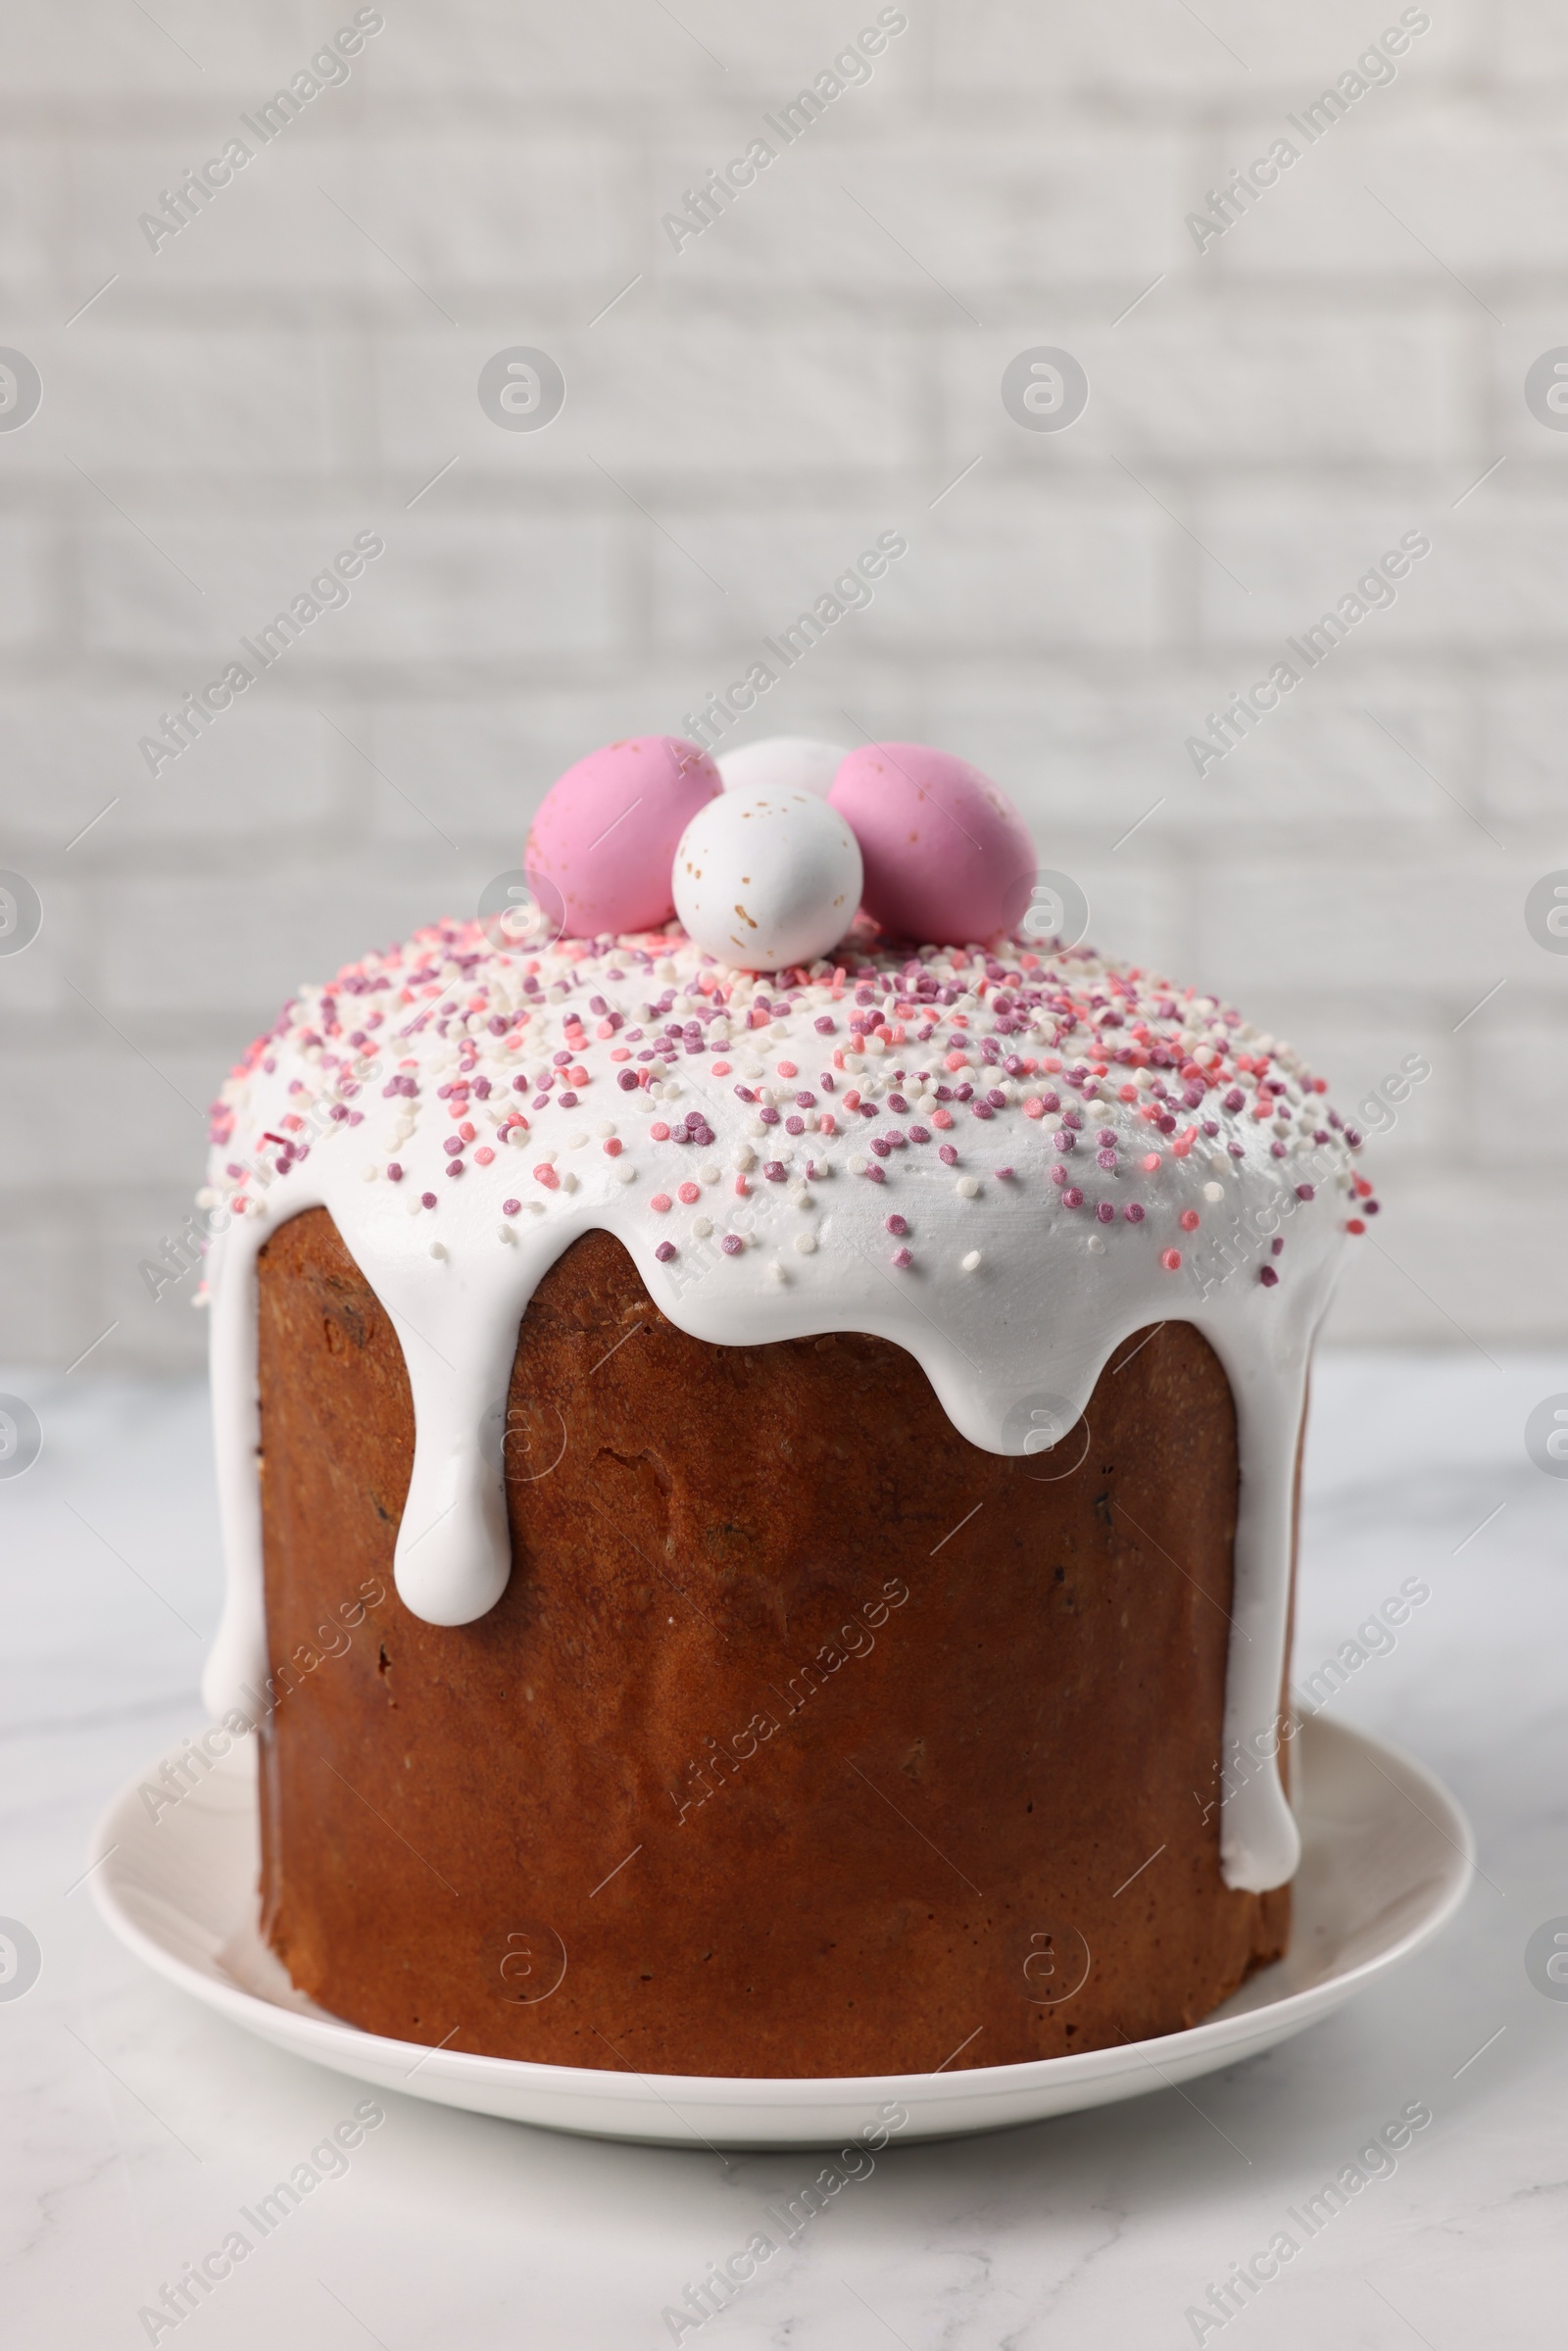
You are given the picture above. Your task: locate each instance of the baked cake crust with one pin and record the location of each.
(807, 1737)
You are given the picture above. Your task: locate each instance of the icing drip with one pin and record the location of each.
(1005, 1164)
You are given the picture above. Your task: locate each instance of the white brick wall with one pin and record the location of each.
(819, 366)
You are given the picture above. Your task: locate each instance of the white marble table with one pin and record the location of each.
(136, 2124)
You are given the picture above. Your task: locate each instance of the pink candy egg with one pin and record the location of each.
(605, 836)
(948, 856)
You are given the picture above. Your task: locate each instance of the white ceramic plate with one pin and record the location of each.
(1388, 1857)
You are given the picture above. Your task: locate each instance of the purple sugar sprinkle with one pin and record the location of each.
(964, 1093)
(627, 1081)
(775, 1171)
(454, 1167)
(1275, 1247)
(1105, 1158)
(795, 1125)
(520, 1085)
(567, 1101)
(824, 1026)
(1235, 1099)
(1211, 1127)
(1353, 1136)
(1072, 1198)
(1236, 1151)
(541, 1101)
(768, 1116)
(394, 1173)
(898, 1224)
(920, 1133)
(947, 1156)
(1066, 1140)
(826, 1082)
(481, 1088)
(1106, 1139)
(996, 1098)
(1306, 1192)
(512, 1207)
(896, 1102)
(452, 1145)
(1003, 1174)
(666, 1250)
(982, 1111)
(902, 1257)
(1192, 1096)
(1277, 1148)
(1133, 1213)
(876, 1174)
(427, 1200)
(805, 1101)
(1105, 1213)
(1267, 1276)
(881, 1145)
(1050, 1102)
(1059, 1173)
(732, 1244)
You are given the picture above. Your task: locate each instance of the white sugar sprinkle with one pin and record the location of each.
(971, 1261)
(968, 1187)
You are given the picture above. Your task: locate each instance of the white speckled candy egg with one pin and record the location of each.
(767, 878)
(783, 764)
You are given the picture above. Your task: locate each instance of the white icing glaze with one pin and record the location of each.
(1013, 1297)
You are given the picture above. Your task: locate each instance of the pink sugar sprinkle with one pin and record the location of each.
(615, 1146)
(1034, 1108)
(1190, 1220)
(1150, 1162)
(544, 1174)
(659, 1202)
(659, 1131)
(903, 1257)
(1267, 1276)
(688, 1193)
(720, 1070)
(787, 1069)
(942, 1118)
(1171, 1259)
(483, 1155)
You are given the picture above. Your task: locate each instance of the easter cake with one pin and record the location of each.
(758, 1454)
